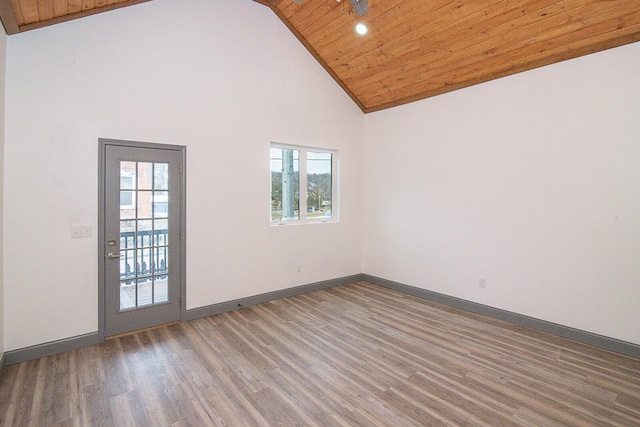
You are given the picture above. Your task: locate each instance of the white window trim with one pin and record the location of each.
(302, 208)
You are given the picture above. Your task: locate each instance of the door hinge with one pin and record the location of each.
(181, 170)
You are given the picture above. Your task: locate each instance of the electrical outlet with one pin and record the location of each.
(483, 283)
(83, 231)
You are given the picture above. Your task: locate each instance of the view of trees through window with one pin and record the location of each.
(288, 166)
(318, 184)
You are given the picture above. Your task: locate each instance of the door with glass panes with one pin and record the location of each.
(142, 236)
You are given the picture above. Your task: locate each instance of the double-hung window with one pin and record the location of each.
(303, 184)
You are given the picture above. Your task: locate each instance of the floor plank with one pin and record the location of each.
(354, 355)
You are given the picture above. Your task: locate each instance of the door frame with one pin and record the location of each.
(102, 246)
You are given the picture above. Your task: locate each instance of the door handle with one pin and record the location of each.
(114, 256)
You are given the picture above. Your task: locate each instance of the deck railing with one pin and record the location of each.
(145, 258)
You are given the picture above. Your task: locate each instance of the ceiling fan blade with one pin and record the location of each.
(360, 6)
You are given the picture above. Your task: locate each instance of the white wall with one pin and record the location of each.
(224, 78)
(3, 57)
(531, 182)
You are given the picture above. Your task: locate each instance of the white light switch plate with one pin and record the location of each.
(83, 231)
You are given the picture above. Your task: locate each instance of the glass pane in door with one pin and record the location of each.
(144, 226)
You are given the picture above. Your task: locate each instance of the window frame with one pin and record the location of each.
(302, 174)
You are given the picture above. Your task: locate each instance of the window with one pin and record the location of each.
(127, 201)
(302, 184)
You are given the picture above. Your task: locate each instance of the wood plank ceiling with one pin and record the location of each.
(414, 48)
(23, 15)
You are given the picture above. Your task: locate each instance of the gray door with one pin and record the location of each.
(142, 250)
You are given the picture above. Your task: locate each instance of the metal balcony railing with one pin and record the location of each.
(145, 257)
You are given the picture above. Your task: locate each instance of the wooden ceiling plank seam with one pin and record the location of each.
(495, 25)
(29, 10)
(563, 24)
(74, 6)
(317, 57)
(290, 8)
(9, 17)
(531, 54)
(465, 48)
(317, 26)
(443, 76)
(439, 51)
(283, 7)
(401, 21)
(350, 45)
(587, 36)
(377, 41)
(17, 10)
(421, 40)
(575, 15)
(88, 4)
(324, 35)
(607, 43)
(411, 43)
(406, 50)
(60, 8)
(81, 14)
(45, 10)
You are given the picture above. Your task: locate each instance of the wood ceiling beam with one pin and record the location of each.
(8, 17)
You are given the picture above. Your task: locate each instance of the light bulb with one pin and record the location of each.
(361, 29)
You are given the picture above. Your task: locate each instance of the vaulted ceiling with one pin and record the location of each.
(420, 48)
(23, 15)
(414, 49)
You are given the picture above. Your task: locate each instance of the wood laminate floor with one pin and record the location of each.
(354, 355)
